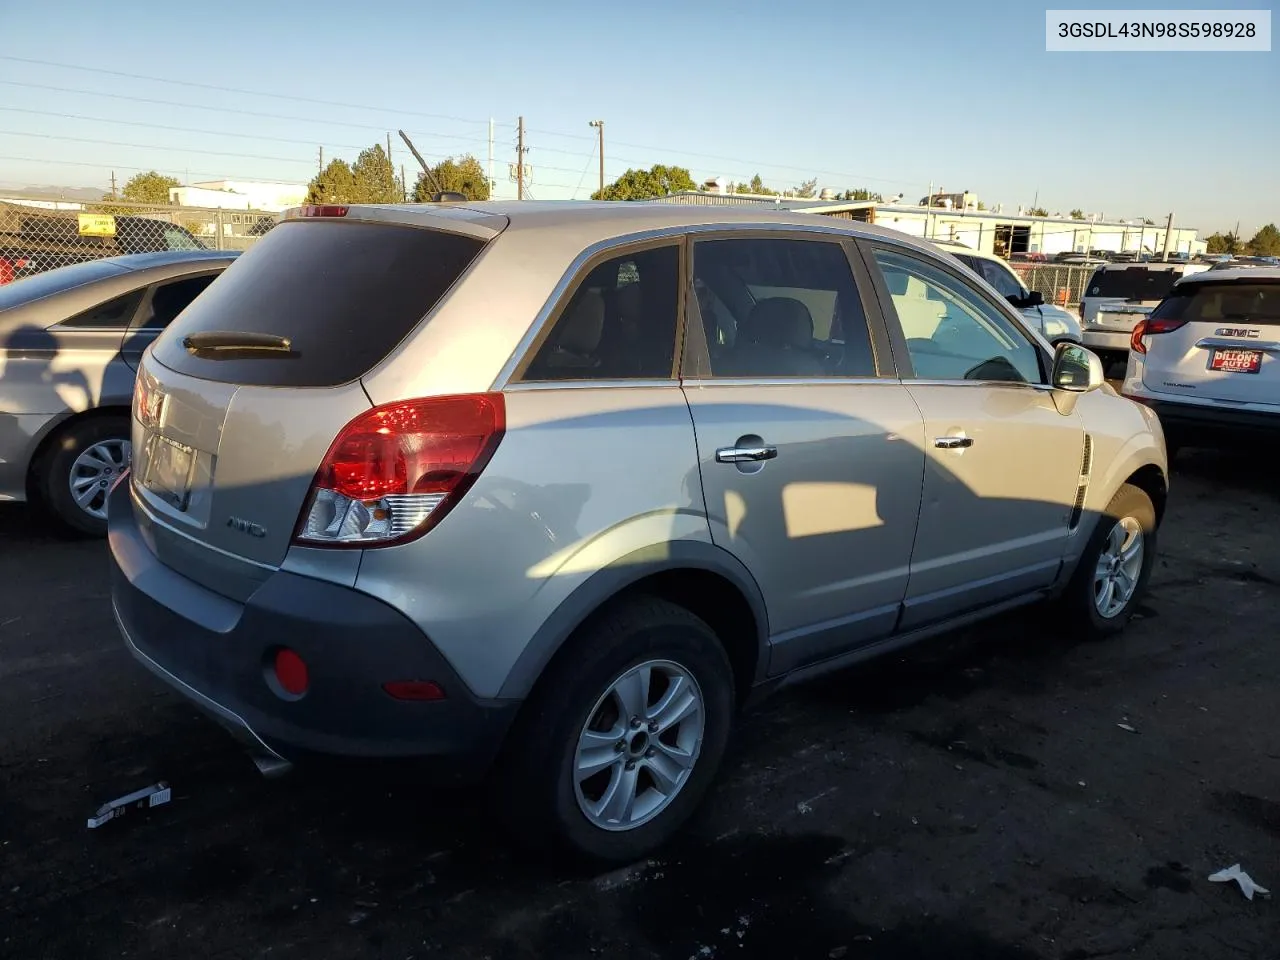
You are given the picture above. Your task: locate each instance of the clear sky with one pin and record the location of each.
(888, 95)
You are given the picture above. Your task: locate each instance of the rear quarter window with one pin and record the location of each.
(344, 294)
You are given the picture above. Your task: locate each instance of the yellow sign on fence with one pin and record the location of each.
(97, 225)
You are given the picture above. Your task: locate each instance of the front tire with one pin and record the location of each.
(75, 473)
(1114, 569)
(622, 737)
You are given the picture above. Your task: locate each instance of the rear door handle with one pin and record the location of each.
(745, 454)
(953, 443)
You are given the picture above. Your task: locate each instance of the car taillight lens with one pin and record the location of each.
(1149, 327)
(395, 471)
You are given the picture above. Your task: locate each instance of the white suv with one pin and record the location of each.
(1121, 294)
(1207, 358)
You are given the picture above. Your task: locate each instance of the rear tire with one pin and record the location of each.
(1112, 575)
(654, 753)
(82, 458)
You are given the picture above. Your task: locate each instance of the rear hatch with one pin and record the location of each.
(242, 396)
(1216, 340)
(1117, 299)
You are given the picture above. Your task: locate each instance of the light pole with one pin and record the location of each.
(599, 125)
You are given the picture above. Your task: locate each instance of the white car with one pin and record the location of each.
(1054, 323)
(1207, 358)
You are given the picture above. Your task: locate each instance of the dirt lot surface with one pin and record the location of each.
(974, 798)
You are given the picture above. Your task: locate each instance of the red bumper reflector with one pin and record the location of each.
(414, 690)
(291, 672)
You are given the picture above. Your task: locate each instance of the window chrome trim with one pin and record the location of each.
(676, 233)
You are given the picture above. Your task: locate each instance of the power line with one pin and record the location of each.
(99, 164)
(223, 89)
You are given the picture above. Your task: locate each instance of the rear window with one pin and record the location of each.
(343, 293)
(1133, 283)
(1228, 303)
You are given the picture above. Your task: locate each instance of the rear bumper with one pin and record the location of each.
(1199, 424)
(1111, 340)
(219, 654)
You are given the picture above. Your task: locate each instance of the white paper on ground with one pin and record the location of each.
(1247, 886)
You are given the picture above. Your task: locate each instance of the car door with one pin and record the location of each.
(163, 302)
(1003, 465)
(810, 449)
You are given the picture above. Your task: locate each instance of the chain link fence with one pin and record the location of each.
(1059, 283)
(39, 235)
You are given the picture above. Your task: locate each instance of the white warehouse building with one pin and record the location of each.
(240, 195)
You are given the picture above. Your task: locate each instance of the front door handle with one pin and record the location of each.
(745, 454)
(953, 443)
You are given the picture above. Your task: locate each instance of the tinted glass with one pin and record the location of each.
(1232, 303)
(41, 285)
(780, 308)
(952, 333)
(344, 294)
(171, 299)
(620, 323)
(114, 313)
(1132, 283)
(1006, 283)
(175, 238)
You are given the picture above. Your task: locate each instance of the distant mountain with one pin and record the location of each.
(47, 192)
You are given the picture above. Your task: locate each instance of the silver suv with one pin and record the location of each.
(549, 491)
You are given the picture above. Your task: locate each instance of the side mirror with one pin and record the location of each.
(1076, 369)
(1035, 299)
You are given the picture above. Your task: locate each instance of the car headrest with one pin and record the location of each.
(897, 282)
(583, 325)
(779, 321)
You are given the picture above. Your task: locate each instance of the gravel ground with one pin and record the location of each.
(975, 797)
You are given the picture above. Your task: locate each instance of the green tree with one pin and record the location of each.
(862, 193)
(336, 183)
(1077, 214)
(1037, 212)
(376, 180)
(756, 186)
(807, 190)
(149, 187)
(1148, 222)
(1222, 243)
(1266, 242)
(462, 175)
(658, 181)
(981, 205)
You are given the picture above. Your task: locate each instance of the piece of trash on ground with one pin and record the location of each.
(1247, 885)
(147, 797)
(1125, 726)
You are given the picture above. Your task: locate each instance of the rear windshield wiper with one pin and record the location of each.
(229, 344)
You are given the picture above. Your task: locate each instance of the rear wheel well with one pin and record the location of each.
(1151, 481)
(712, 598)
(46, 443)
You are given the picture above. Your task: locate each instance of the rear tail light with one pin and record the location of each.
(1150, 327)
(323, 210)
(395, 471)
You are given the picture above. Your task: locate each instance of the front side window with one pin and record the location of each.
(619, 324)
(780, 308)
(952, 333)
(1002, 279)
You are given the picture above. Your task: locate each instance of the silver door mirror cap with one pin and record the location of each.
(1077, 369)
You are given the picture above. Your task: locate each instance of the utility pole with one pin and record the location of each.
(599, 125)
(1168, 235)
(404, 186)
(322, 159)
(113, 185)
(520, 158)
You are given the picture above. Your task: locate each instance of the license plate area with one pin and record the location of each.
(1236, 361)
(168, 472)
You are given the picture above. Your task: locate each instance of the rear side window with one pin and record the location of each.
(114, 314)
(170, 299)
(780, 308)
(1229, 304)
(620, 323)
(1132, 283)
(343, 293)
